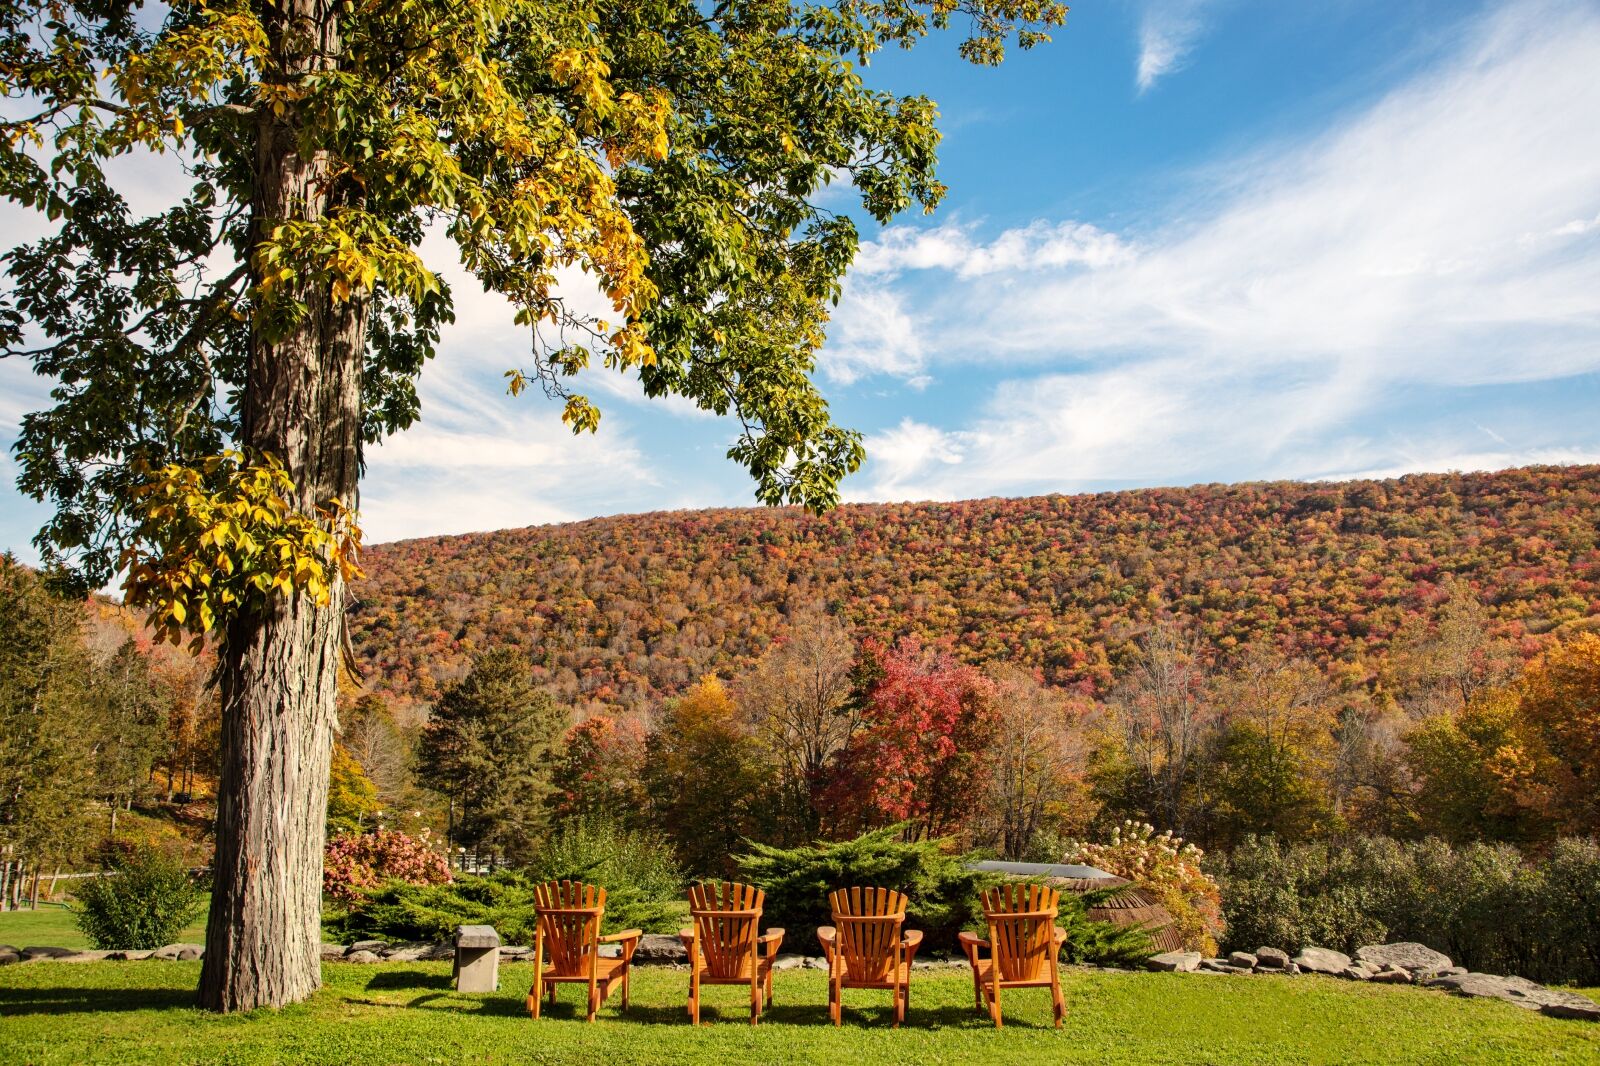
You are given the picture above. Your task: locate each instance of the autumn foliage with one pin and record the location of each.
(358, 862)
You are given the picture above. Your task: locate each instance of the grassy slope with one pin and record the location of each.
(51, 926)
(138, 1012)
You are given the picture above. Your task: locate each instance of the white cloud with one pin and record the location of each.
(1168, 31)
(872, 333)
(1318, 281)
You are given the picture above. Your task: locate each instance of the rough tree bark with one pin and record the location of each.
(279, 669)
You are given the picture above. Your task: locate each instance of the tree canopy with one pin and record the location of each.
(669, 153)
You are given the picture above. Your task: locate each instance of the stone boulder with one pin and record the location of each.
(1323, 960)
(362, 956)
(332, 951)
(1521, 992)
(406, 952)
(1412, 957)
(46, 953)
(374, 946)
(1355, 973)
(1174, 961)
(1392, 975)
(8, 956)
(1272, 958)
(85, 956)
(659, 947)
(130, 955)
(789, 961)
(1243, 959)
(191, 952)
(177, 951)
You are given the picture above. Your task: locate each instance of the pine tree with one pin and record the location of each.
(488, 746)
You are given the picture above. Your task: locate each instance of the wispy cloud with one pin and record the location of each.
(1168, 32)
(1325, 278)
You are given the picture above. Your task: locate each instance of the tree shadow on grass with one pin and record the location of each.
(15, 1002)
(394, 980)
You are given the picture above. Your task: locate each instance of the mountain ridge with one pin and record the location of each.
(625, 610)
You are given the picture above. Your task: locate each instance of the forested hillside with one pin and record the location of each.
(623, 611)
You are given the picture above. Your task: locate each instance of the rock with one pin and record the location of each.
(1572, 1005)
(1242, 958)
(332, 951)
(1272, 958)
(437, 952)
(1355, 973)
(11, 948)
(409, 953)
(816, 962)
(85, 956)
(1393, 975)
(1323, 960)
(658, 947)
(46, 953)
(1213, 966)
(8, 957)
(1412, 957)
(128, 956)
(1174, 961)
(1293, 967)
(176, 951)
(1529, 995)
(515, 952)
(362, 956)
(191, 952)
(788, 961)
(374, 946)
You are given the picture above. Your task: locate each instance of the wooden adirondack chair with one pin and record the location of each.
(867, 947)
(726, 946)
(1024, 946)
(568, 915)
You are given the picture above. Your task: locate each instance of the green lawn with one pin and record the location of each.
(51, 926)
(406, 1013)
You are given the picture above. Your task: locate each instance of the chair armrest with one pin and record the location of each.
(629, 938)
(770, 941)
(970, 944)
(1059, 935)
(911, 942)
(828, 937)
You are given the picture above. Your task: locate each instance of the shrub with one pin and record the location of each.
(144, 901)
(641, 878)
(942, 894)
(1167, 868)
(355, 863)
(398, 910)
(1484, 905)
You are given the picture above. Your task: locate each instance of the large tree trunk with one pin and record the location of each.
(279, 669)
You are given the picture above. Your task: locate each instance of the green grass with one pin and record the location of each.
(407, 1013)
(52, 926)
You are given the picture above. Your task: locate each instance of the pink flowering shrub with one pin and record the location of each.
(357, 862)
(1167, 868)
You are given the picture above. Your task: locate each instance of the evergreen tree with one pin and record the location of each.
(488, 747)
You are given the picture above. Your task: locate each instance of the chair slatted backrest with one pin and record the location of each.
(569, 915)
(727, 918)
(1022, 920)
(868, 923)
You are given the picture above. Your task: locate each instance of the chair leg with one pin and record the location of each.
(755, 1001)
(1060, 1004)
(994, 1005)
(899, 1007)
(625, 988)
(835, 1002)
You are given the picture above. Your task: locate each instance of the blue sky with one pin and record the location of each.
(1190, 241)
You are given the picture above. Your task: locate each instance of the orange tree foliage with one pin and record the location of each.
(623, 612)
(704, 779)
(1557, 772)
